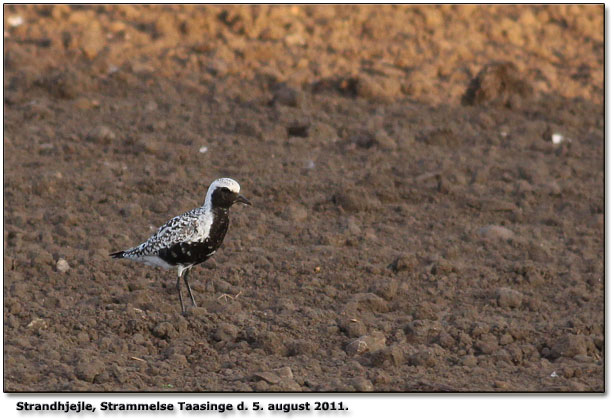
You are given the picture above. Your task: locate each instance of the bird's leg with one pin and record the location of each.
(185, 278)
(179, 291)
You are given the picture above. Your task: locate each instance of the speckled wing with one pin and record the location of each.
(183, 228)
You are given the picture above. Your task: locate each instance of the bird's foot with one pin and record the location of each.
(228, 297)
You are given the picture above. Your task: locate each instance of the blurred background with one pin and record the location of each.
(429, 53)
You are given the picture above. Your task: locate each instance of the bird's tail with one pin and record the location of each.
(119, 254)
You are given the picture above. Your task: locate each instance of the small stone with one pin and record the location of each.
(294, 39)
(425, 311)
(352, 327)
(269, 377)
(539, 253)
(498, 83)
(93, 41)
(324, 132)
(405, 263)
(222, 286)
(248, 128)
(142, 67)
(552, 188)
(62, 265)
(120, 374)
(356, 347)
(84, 103)
(508, 298)
(37, 324)
(295, 213)
(383, 89)
(576, 386)
(299, 129)
(285, 95)
(384, 141)
(355, 200)
(284, 372)
(350, 201)
(363, 138)
(362, 385)
(503, 356)
(14, 21)
(366, 302)
(469, 361)
(506, 339)
(262, 386)
(567, 372)
(583, 358)
(226, 332)
(101, 134)
(420, 331)
(288, 385)
(382, 378)
(151, 144)
(487, 344)
(502, 385)
(445, 340)
(138, 338)
(479, 328)
(164, 330)
(62, 83)
(570, 345)
(42, 258)
(272, 343)
(88, 369)
(366, 343)
(557, 138)
(496, 232)
(515, 352)
(83, 337)
(386, 288)
(151, 106)
(392, 355)
(352, 226)
(443, 136)
(14, 307)
(299, 346)
(178, 360)
(132, 210)
(523, 187)
(424, 358)
(442, 266)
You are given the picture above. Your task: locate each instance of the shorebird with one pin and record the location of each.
(191, 238)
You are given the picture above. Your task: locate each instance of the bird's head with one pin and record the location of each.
(224, 192)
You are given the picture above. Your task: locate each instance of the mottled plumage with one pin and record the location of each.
(191, 238)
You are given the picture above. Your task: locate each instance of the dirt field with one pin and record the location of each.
(428, 189)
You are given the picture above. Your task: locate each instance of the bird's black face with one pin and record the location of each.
(224, 198)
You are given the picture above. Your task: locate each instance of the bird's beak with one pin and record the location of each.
(241, 199)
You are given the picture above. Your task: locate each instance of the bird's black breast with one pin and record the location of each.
(192, 253)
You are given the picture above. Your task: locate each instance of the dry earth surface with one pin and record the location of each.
(414, 228)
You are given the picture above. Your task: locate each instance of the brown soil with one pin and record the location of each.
(414, 226)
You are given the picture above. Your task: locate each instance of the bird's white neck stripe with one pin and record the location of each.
(207, 204)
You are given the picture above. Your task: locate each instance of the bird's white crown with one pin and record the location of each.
(229, 183)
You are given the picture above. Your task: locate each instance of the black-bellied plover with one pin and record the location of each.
(191, 238)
